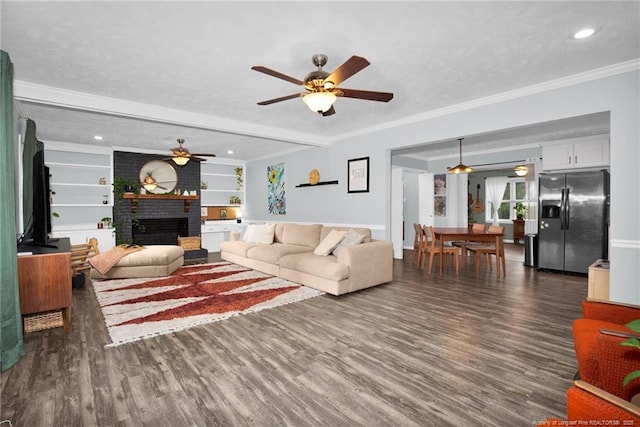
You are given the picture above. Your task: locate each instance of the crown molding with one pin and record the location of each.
(587, 76)
(48, 95)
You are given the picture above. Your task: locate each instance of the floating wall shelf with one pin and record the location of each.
(319, 183)
(134, 199)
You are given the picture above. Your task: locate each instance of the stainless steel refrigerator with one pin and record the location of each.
(574, 220)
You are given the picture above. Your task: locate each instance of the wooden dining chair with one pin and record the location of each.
(464, 244)
(419, 245)
(433, 249)
(486, 250)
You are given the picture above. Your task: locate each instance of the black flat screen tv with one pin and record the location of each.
(41, 224)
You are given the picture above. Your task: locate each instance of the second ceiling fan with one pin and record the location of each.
(322, 87)
(181, 155)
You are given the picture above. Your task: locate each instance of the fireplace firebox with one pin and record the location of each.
(159, 231)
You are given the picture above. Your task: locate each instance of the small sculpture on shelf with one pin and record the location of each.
(204, 185)
(234, 200)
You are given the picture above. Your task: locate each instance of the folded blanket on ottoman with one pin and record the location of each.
(151, 261)
(106, 260)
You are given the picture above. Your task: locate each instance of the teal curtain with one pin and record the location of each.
(31, 145)
(11, 343)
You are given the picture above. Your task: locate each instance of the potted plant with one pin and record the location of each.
(106, 222)
(239, 178)
(632, 342)
(520, 209)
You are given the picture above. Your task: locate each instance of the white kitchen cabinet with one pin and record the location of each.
(578, 153)
(214, 234)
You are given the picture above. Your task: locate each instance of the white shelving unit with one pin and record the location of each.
(81, 190)
(221, 183)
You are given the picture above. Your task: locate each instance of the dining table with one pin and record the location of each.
(447, 234)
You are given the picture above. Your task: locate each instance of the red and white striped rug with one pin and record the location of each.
(135, 309)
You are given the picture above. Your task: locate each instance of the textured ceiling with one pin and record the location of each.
(195, 58)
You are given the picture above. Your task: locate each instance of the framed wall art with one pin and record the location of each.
(276, 196)
(440, 194)
(358, 175)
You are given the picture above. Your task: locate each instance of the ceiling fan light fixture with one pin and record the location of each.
(319, 102)
(180, 160)
(584, 33)
(460, 167)
(149, 183)
(521, 170)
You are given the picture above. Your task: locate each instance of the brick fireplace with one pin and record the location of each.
(156, 221)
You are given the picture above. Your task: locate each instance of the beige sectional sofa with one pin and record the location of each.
(291, 256)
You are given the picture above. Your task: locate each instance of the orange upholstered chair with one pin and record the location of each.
(612, 312)
(602, 361)
(589, 404)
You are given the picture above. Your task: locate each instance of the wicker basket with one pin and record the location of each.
(40, 321)
(189, 243)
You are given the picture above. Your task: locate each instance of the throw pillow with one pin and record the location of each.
(350, 238)
(259, 233)
(329, 243)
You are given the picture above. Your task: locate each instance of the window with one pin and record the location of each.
(514, 193)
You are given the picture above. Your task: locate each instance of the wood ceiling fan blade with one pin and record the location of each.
(199, 156)
(348, 69)
(277, 74)
(330, 112)
(282, 98)
(365, 94)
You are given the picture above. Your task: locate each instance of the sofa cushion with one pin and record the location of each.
(259, 233)
(237, 247)
(279, 232)
(304, 235)
(273, 253)
(350, 238)
(366, 231)
(329, 243)
(326, 267)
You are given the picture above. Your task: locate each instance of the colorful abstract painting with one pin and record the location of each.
(276, 197)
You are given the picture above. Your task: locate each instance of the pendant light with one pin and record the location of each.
(461, 167)
(521, 170)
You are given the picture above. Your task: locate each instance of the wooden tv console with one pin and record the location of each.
(44, 279)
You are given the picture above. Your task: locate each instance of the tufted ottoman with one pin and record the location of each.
(152, 261)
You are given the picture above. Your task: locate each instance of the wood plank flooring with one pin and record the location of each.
(420, 351)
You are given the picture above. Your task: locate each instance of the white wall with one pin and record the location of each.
(618, 94)
(410, 207)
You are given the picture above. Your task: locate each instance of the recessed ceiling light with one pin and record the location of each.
(98, 138)
(229, 151)
(584, 33)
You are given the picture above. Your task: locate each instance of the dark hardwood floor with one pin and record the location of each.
(420, 351)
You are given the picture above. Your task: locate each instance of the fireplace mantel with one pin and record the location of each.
(134, 199)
